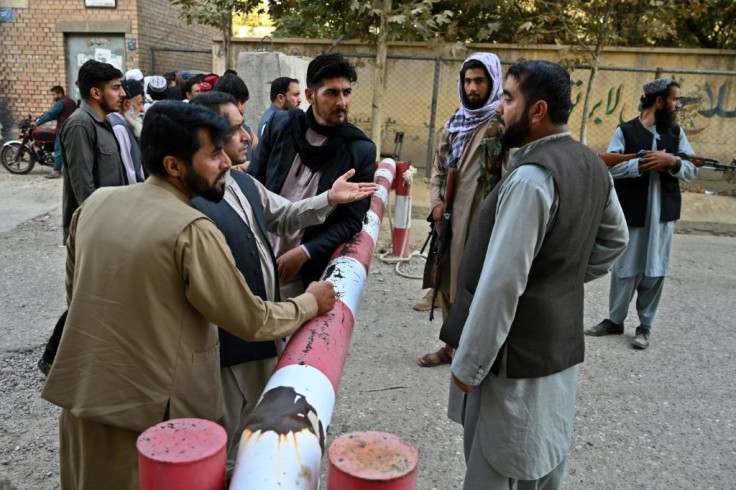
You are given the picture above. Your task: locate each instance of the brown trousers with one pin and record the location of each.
(95, 455)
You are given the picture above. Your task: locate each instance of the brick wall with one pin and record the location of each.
(164, 29)
(33, 58)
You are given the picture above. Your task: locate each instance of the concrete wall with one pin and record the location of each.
(710, 116)
(259, 69)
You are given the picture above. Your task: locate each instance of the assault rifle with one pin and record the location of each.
(440, 243)
(611, 159)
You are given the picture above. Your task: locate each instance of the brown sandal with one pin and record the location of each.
(435, 358)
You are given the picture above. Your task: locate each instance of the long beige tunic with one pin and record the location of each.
(468, 194)
(147, 275)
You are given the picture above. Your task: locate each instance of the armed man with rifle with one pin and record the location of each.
(648, 188)
(466, 165)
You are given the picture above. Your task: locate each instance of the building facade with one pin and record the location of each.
(43, 43)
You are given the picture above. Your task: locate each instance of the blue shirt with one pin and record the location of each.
(52, 114)
(265, 118)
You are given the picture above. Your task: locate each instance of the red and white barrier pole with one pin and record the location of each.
(284, 439)
(402, 213)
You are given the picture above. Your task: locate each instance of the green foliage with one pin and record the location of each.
(683, 23)
(214, 13)
(706, 24)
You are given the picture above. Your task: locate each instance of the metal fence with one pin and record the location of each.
(422, 92)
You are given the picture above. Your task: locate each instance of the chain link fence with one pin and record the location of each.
(422, 93)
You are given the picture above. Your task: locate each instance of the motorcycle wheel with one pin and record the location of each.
(22, 165)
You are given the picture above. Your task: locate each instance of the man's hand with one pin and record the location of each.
(242, 167)
(343, 192)
(463, 387)
(291, 262)
(657, 160)
(324, 293)
(437, 213)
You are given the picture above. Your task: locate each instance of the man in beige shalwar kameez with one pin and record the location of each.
(469, 144)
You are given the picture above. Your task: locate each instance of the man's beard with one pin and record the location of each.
(197, 185)
(514, 135)
(133, 118)
(109, 108)
(475, 104)
(664, 119)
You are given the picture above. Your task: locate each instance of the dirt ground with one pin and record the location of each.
(660, 418)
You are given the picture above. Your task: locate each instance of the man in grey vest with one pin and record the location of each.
(245, 215)
(127, 124)
(517, 322)
(648, 189)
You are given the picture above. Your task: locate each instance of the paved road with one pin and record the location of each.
(23, 197)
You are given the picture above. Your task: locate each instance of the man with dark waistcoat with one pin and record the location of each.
(245, 215)
(648, 189)
(550, 225)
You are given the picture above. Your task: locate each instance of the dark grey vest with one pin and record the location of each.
(242, 243)
(135, 150)
(546, 335)
(633, 193)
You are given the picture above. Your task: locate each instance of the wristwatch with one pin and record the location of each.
(679, 165)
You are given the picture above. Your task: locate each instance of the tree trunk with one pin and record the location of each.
(379, 76)
(227, 35)
(594, 72)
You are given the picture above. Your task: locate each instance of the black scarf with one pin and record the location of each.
(317, 157)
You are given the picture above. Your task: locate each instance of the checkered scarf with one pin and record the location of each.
(464, 121)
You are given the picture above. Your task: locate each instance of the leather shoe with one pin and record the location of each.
(641, 338)
(606, 327)
(44, 367)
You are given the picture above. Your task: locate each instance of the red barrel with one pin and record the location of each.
(182, 453)
(372, 461)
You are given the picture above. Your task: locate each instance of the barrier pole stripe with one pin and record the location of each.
(277, 461)
(322, 343)
(381, 196)
(372, 225)
(384, 173)
(401, 216)
(402, 187)
(348, 275)
(390, 162)
(356, 249)
(309, 382)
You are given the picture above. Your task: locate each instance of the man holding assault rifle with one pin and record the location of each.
(648, 189)
(465, 168)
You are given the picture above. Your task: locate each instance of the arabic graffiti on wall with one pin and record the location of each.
(599, 111)
(717, 109)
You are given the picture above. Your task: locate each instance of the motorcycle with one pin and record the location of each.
(33, 146)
